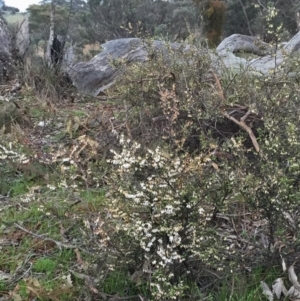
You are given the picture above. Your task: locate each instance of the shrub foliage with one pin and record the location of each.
(196, 148)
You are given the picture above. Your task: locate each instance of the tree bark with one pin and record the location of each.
(51, 36)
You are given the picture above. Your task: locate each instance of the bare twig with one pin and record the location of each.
(127, 118)
(259, 2)
(246, 17)
(24, 274)
(219, 87)
(232, 289)
(58, 243)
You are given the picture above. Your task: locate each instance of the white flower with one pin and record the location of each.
(201, 211)
(51, 187)
(169, 209)
(157, 158)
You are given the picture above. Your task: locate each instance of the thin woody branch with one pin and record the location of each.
(240, 123)
(59, 244)
(245, 127)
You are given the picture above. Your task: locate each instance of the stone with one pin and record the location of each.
(99, 73)
(96, 75)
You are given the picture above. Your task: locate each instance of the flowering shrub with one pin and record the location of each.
(217, 145)
(11, 158)
(163, 202)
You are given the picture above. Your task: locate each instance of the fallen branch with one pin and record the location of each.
(240, 123)
(58, 243)
(245, 127)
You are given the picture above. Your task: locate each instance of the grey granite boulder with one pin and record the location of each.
(99, 73)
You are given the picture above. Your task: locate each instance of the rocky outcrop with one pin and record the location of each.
(269, 58)
(99, 73)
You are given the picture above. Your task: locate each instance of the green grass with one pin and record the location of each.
(119, 282)
(245, 287)
(20, 187)
(58, 136)
(44, 265)
(37, 112)
(49, 264)
(16, 185)
(44, 215)
(79, 113)
(2, 286)
(93, 196)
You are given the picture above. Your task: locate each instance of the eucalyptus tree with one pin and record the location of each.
(140, 18)
(66, 17)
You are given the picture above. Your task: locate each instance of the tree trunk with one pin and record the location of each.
(51, 36)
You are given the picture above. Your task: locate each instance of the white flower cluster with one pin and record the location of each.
(125, 159)
(162, 289)
(12, 155)
(272, 13)
(154, 196)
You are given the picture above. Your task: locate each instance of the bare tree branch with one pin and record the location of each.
(240, 123)
(246, 17)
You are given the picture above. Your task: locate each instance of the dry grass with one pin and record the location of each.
(90, 48)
